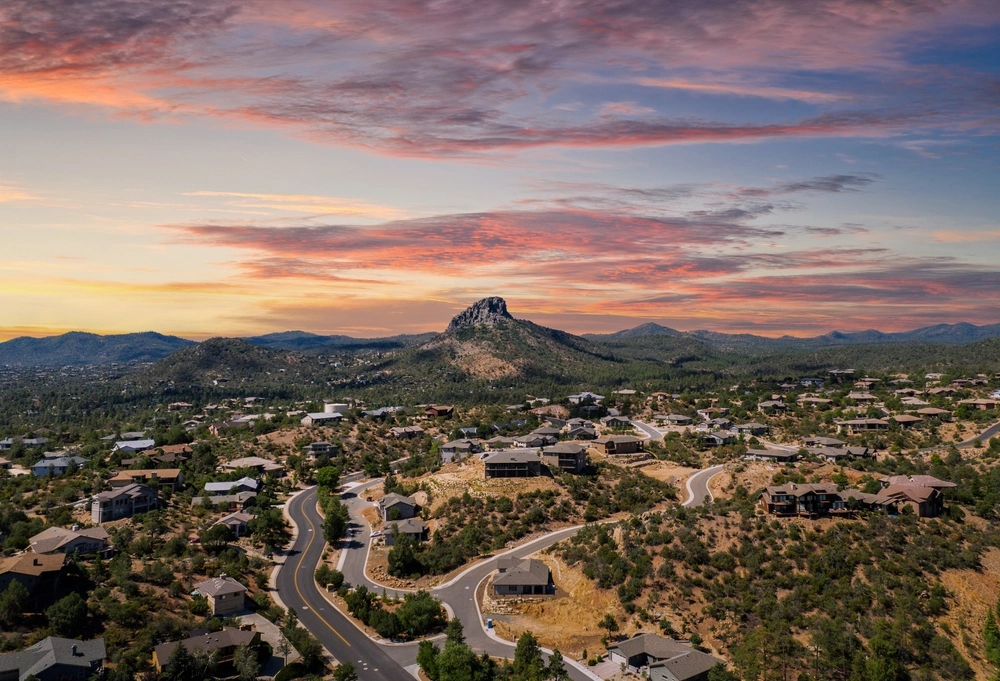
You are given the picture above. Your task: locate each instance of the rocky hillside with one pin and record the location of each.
(485, 341)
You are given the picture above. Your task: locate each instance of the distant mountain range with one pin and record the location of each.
(507, 350)
(77, 348)
(944, 334)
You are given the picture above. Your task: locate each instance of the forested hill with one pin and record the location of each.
(77, 349)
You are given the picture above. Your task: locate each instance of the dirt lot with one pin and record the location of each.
(567, 621)
(668, 472)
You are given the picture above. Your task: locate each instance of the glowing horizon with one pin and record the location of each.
(223, 168)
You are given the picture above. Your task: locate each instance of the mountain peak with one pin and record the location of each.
(488, 311)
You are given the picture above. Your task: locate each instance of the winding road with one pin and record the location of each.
(983, 437)
(374, 660)
(697, 486)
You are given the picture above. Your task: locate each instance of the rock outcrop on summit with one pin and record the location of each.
(487, 312)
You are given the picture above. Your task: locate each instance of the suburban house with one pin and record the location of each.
(549, 432)
(406, 432)
(663, 659)
(855, 426)
(133, 446)
(532, 441)
(222, 644)
(835, 454)
(772, 406)
(8, 443)
(582, 433)
(751, 428)
(314, 449)
(321, 418)
(917, 481)
(39, 574)
(771, 455)
(522, 577)
(56, 466)
(717, 439)
(616, 422)
(456, 449)
(861, 397)
(397, 506)
(170, 454)
(679, 420)
(238, 522)
(513, 463)
(498, 443)
(230, 502)
(411, 527)
(232, 486)
(158, 477)
(436, 410)
(224, 594)
(925, 502)
(568, 456)
(818, 441)
(935, 413)
(54, 659)
(981, 404)
(808, 500)
(618, 444)
(585, 396)
(124, 502)
(261, 465)
(906, 420)
(61, 540)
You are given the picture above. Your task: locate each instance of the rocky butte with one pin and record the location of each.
(487, 312)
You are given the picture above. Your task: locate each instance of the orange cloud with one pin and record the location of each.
(304, 203)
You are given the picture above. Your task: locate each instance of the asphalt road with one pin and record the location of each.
(984, 437)
(653, 433)
(329, 625)
(697, 486)
(298, 590)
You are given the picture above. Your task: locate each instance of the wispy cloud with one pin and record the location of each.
(304, 203)
(10, 194)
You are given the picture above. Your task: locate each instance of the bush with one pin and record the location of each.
(329, 577)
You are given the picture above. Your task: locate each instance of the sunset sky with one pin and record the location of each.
(209, 167)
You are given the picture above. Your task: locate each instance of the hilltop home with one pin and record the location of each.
(124, 502)
(616, 422)
(39, 574)
(172, 478)
(397, 505)
(663, 659)
(818, 441)
(925, 502)
(717, 439)
(133, 446)
(224, 594)
(582, 433)
(855, 426)
(437, 410)
(222, 644)
(935, 413)
(56, 466)
(568, 457)
(771, 455)
(522, 577)
(238, 522)
(513, 463)
(618, 444)
(232, 486)
(457, 449)
(751, 428)
(228, 502)
(500, 443)
(321, 419)
(314, 449)
(54, 659)
(61, 540)
(410, 527)
(805, 500)
(260, 465)
(834, 454)
(406, 432)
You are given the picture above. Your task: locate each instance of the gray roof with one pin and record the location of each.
(512, 456)
(52, 651)
(522, 572)
(687, 665)
(133, 490)
(657, 647)
(408, 526)
(226, 638)
(227, 486)
(565, 448)
(393, 499)
(220, 585)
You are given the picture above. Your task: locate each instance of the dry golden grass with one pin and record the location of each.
(973, 593)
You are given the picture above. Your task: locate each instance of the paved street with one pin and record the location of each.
(340, 637)
(697, 486)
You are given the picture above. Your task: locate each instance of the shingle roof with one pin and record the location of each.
(52, 651)
(54, 538)
(916, 481)
(226, 486)
(219, 585)
(525, 572)
(393, 499)
(513, 456)
(228, 637)
(32, 564)
(407, 526)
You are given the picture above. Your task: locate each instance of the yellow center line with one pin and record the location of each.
(295, 578)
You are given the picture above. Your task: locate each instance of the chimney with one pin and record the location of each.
(73, 649)
(34, 561)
